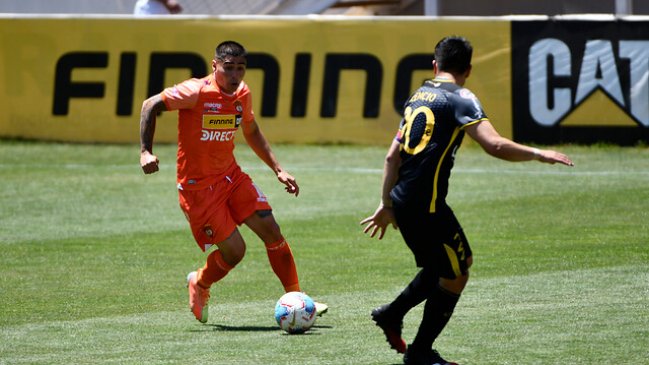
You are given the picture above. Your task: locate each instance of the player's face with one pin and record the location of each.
(229, 72)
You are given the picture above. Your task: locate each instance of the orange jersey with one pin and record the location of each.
(208, 120)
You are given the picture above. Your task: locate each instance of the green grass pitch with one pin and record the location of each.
(94, 256)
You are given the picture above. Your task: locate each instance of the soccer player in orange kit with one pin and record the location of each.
(215, 195)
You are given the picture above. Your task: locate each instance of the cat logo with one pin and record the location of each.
(580, 81)
(598, 71)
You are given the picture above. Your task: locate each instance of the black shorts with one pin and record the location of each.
(437, 240)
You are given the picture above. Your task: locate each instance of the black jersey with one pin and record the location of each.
(430, 133)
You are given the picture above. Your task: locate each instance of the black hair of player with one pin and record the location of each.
(229, 48)
(453, 54)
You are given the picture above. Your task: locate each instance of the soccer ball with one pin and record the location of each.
(295, 312)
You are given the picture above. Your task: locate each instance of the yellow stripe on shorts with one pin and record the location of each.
(452, 257)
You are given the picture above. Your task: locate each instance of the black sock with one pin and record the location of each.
(416, 292)
(437, 312)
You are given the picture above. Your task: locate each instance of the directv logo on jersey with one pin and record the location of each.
(220, 136)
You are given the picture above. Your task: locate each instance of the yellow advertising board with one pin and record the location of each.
(314, 79)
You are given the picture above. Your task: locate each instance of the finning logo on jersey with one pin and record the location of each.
(219, 121)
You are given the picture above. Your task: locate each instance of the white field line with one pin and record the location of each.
(558, 170)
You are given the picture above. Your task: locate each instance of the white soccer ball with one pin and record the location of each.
(295, 312)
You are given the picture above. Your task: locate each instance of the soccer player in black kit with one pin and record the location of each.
(415, 183)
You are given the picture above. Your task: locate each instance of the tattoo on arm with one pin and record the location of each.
(150, 109)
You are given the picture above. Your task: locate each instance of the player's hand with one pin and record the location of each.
(149, 162)
(552, 157)
(379, 221)
(288, 180)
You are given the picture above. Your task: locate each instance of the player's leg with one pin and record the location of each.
(453, 261)
(389, 317)
(416, 292)
(437, 312)
(249, 206)
(218, 264)
(211, 223)
(230, 252)
(278, 250)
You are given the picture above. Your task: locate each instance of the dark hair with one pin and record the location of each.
(230, 48)
(453, 54)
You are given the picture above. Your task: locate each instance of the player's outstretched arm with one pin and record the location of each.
(258, 142)
(506, 149)
(150, 109)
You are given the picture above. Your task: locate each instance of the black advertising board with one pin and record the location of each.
(580, 81)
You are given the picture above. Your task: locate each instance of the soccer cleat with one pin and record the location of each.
(391, 328)
(430, 357)
(198, 297)
(320, 308)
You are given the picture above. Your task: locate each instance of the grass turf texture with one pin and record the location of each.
(94, 257)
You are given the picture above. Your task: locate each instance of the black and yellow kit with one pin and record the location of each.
(430, 133)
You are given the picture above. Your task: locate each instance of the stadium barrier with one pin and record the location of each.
(323, 79)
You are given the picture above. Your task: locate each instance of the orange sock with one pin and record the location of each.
(214, 270)
(283, 264)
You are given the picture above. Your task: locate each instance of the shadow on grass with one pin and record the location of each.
(225, 328)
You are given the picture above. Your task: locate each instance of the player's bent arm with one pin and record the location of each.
(150, 109)
(259, 144)
(498, 146)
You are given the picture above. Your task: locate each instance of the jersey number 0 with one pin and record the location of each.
(418, 126)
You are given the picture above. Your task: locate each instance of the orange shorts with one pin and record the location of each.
(214, 212)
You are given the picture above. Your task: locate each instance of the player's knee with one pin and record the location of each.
(455, 285)
(234, 255)
(233, 249)
(267, 228)
(273, 236)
